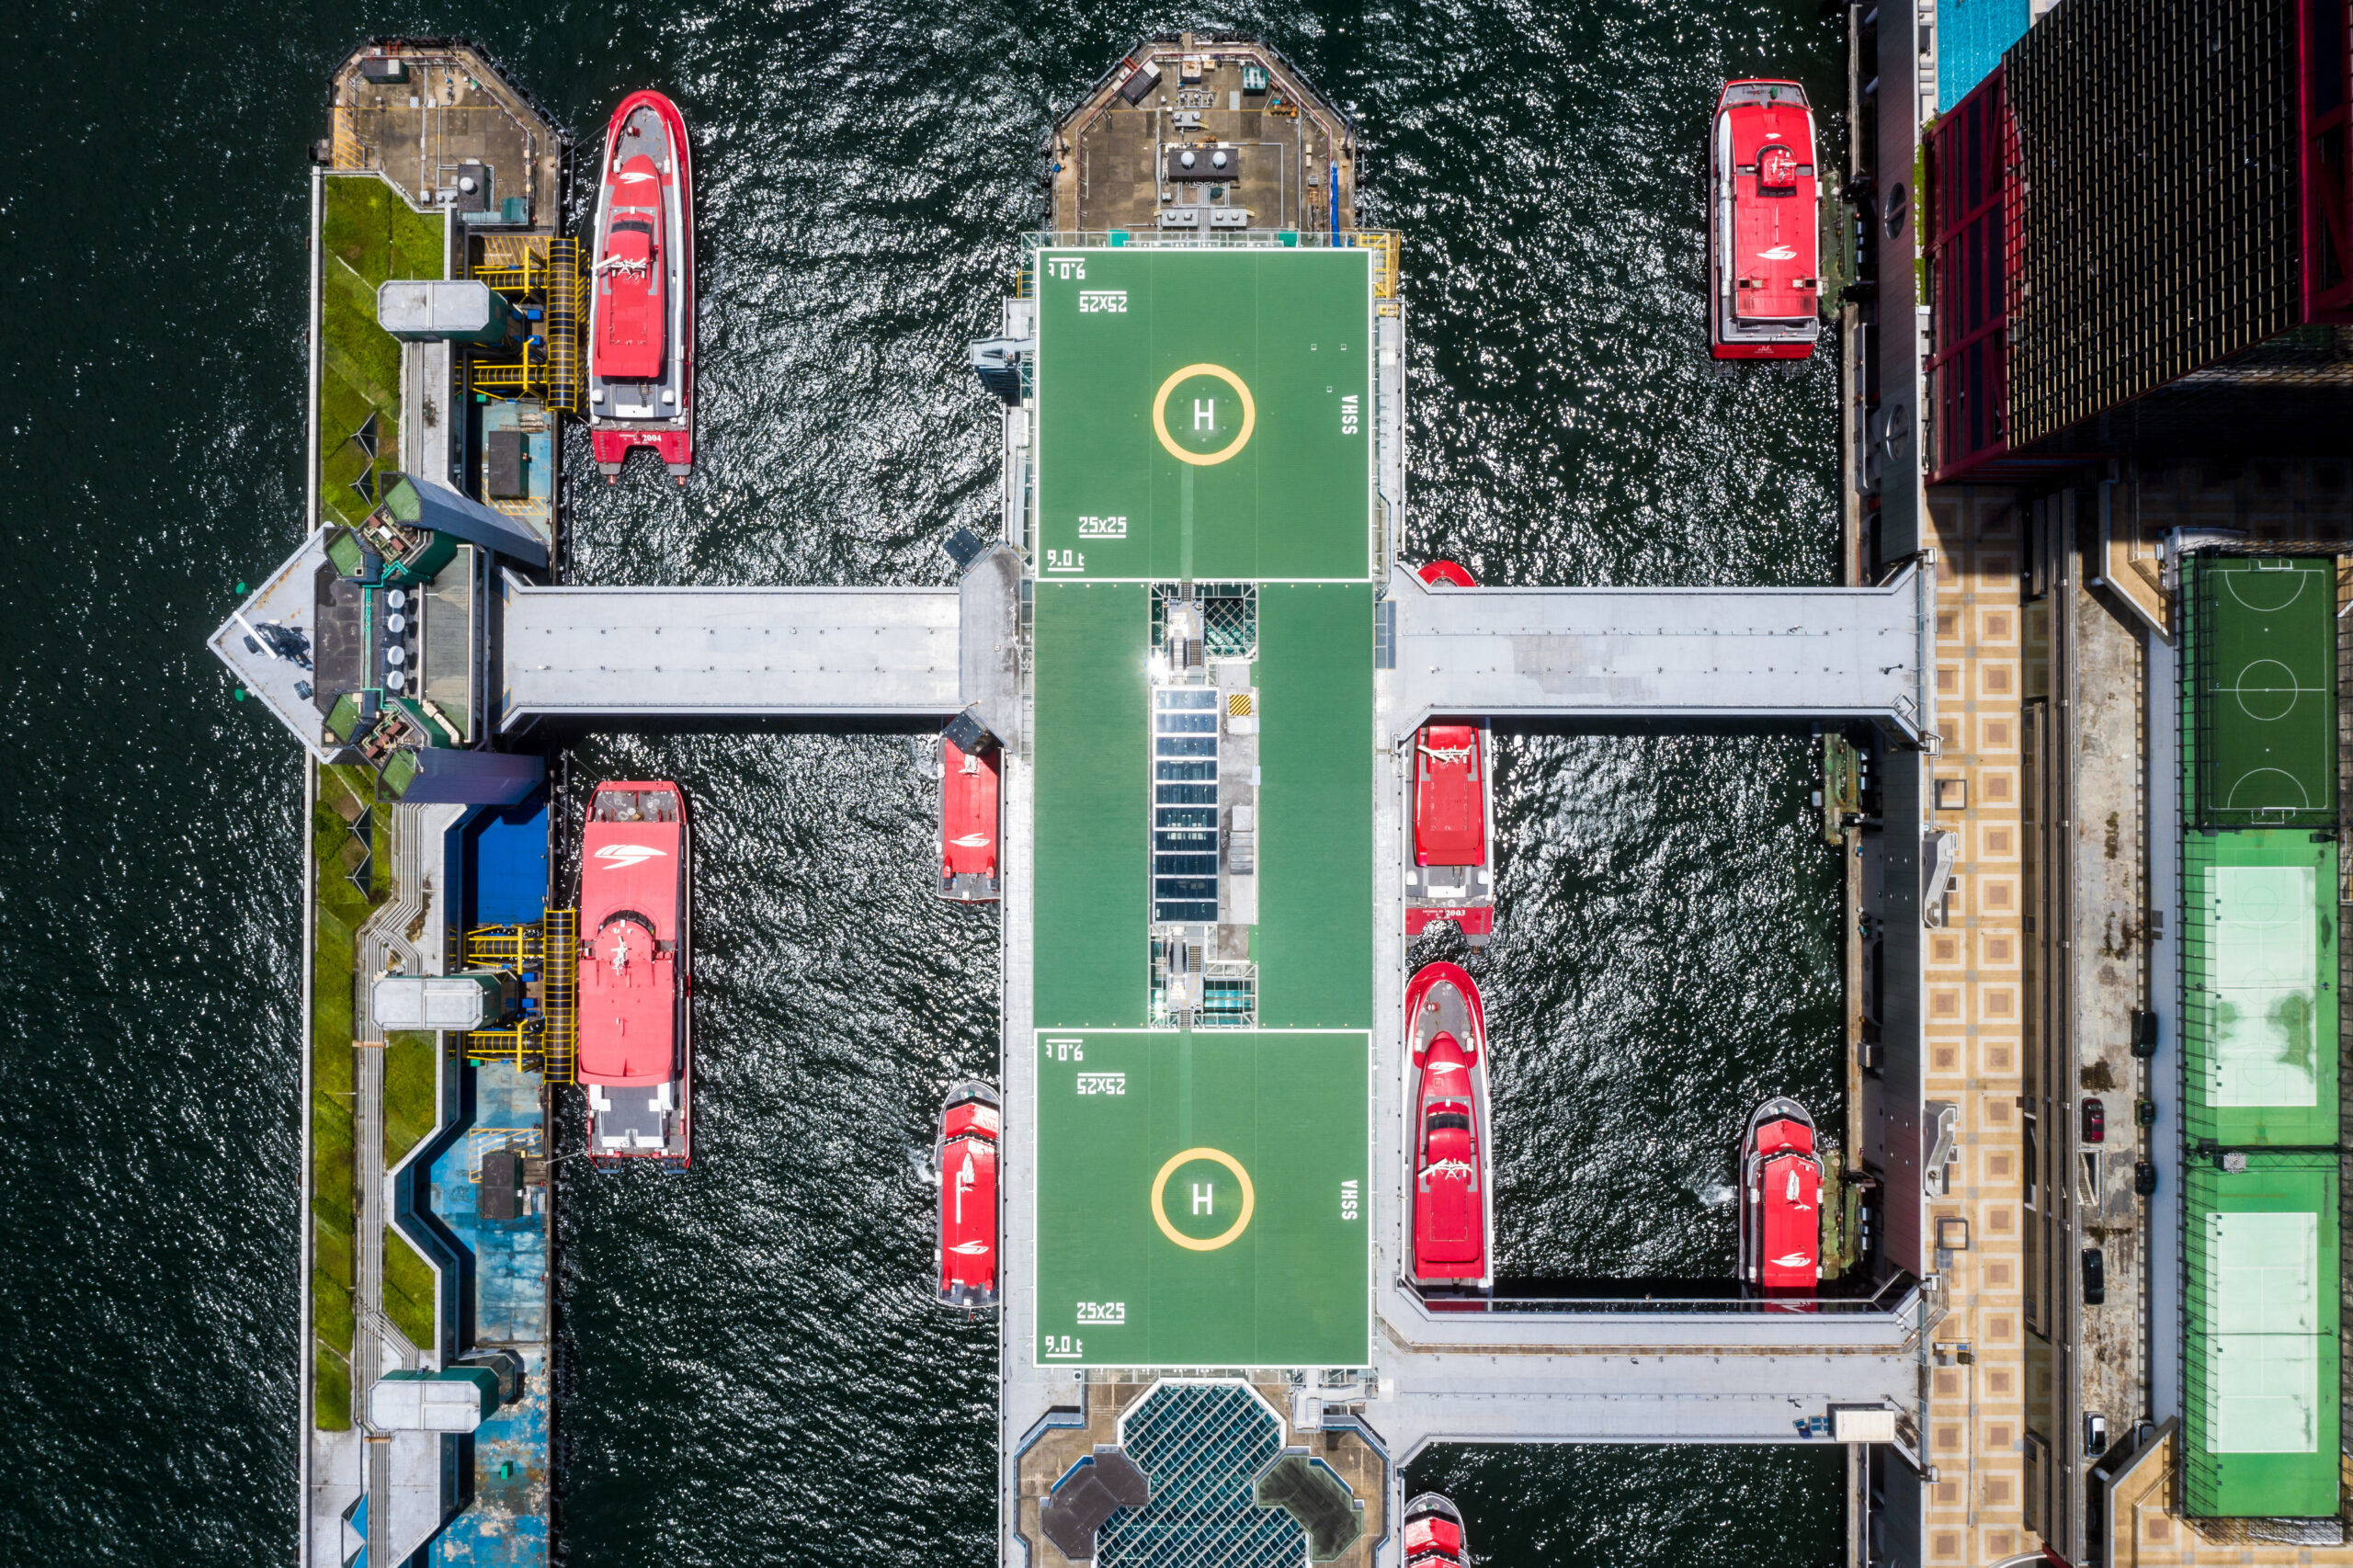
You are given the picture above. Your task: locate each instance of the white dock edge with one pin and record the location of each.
(1788, 654)
(704, 653)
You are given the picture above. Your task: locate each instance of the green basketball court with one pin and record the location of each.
(1205, 414)
(2264, 711)
(1202, 1198)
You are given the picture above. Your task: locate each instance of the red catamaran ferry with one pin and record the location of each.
(969, 796)
(1452, 1196)
(1781, 1200)
(636, 1056)
(1453, 810)
(642, 292)
(965, 1161)
(1764, 226)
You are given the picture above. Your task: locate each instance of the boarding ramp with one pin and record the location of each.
(671, 655)
(1700, 655)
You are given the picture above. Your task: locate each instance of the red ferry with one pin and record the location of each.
(1764, 228)
(965, 1161)
(1453, 1190)
(635, 1055)
(1453, 809)
(642, 292)
(969, 794)
(1781, 1200)
(1434, 1533)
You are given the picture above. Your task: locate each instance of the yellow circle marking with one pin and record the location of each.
(1160, 1186)
(1204, 460)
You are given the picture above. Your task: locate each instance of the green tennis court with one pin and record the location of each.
(1202, 1198)
(2260, 1031)
(1205, 414)
(2264, 654)
(2263, 1402)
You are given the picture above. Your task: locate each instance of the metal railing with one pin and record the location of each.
(1037, 240)
(1384, 244)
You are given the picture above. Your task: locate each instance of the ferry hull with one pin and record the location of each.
(636, 1049)
(642, 292)
(1434, 1537)
(1450, 805)
(970, 818)
(1764, 224)
(1451, 1199)
(1781, 1200)
(965, 1163)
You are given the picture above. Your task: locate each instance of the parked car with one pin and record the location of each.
(2095, 1120)
(2095, 1277)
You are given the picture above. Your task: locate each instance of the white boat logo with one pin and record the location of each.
(1791, 1260)
(621, 857)
(634, 175)
(972, 841)
(1779, 253)
(969, 1249)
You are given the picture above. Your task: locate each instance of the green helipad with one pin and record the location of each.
(1202, 1198)
(1205, 414)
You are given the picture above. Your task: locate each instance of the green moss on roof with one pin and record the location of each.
(369, 236)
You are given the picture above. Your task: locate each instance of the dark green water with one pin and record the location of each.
(749, 1363)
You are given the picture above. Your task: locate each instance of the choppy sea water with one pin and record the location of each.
(748, 1361)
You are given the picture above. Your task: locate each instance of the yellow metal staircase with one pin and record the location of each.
(549, 949)
(535, 271)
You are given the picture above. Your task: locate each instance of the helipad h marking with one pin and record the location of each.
(1160, 415)
(1224, 1237)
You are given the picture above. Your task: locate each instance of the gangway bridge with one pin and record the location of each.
(1705, 655)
